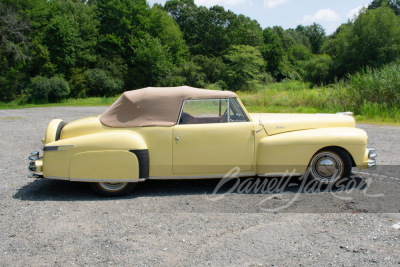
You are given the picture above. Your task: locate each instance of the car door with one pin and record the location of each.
(206, 141)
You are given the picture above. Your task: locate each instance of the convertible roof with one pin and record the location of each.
(154, 106)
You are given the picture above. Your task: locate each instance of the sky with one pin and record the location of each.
(290, 13)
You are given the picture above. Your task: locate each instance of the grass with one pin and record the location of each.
(12, 118)
(298, 97)
(81, 102)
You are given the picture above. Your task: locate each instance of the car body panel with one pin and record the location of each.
(292, 151)
(104, 166)
(58, 155)
(275, 123)
(51, 132)
(213, 148)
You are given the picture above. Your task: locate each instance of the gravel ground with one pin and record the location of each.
(45, 222)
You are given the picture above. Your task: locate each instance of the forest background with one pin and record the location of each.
(87, 52)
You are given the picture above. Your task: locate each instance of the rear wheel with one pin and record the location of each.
(113, 189)
(330, 165)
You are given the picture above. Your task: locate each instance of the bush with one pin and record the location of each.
(44, 89)
(318, 69)
(78, 83)
(101, 84)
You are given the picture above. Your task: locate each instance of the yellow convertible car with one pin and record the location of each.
(190, 133)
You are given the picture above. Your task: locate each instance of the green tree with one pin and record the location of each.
(13, 52)
(62, 40)
(245, 64)
(272, 52)
(318, 69)
(287, 40)
(393, 4)
(37, 12)
(153, 64)
(372, 40)
(299, 53)
(316, 35)
(122, 26)
(190, 74)
(214, 68)
(163, 27)
(244, 31)
(211, 31)
(299, 36)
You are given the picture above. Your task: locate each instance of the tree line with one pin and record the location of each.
(53, 49)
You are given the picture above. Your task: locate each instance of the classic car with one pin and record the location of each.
(189, 133)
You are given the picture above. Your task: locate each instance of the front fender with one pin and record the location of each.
(293, 151)
(95, 156)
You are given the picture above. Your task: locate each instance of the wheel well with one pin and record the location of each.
(353, 163)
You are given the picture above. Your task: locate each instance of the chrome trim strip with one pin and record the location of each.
(279, 175)
(229, 111)
(57, 148)
(97, 180)
(180, 113)
(199, 177)
(57, 178)
(104, 180)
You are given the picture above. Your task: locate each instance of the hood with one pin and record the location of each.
(275, 123)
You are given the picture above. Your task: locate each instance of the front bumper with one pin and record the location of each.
(371, 158)
(369, 161)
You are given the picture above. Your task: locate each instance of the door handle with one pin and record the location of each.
(176, 139)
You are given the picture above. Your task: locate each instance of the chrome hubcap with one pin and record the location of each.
(113, 186)
(326, 167)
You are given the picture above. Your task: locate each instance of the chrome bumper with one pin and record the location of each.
(32, 165)
(372, 158)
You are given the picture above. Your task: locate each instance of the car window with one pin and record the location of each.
(212, 111)
(204, 111)
(236, 113)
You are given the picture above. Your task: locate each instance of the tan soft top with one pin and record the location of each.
(155, 106)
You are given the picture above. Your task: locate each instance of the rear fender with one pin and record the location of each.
(104, 166)
(96, 157)
(53, 131)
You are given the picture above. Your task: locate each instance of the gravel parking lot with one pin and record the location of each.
(181, 223)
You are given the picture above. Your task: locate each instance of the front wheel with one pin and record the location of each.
(113, 189)
(330, 165)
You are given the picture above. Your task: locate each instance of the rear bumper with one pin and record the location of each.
(35, 165)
